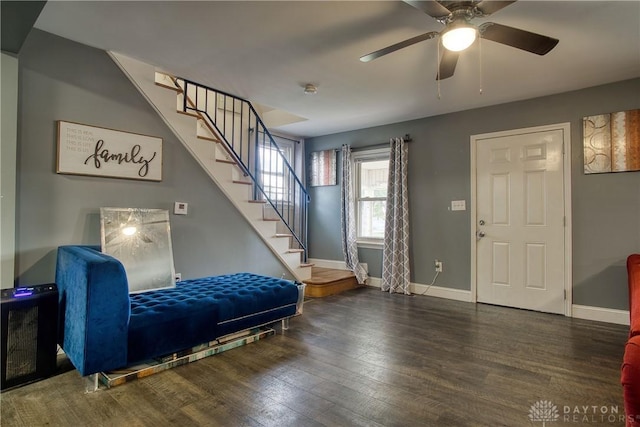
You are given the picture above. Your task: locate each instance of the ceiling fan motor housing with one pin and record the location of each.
(457, 15)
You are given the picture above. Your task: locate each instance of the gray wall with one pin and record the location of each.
(63, 80)
(606, 207)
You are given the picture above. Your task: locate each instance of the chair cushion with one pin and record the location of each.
(630, 380)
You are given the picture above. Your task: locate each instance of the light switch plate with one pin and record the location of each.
(458, 205)
(180, 208)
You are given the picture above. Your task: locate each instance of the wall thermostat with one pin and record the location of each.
(180, 208)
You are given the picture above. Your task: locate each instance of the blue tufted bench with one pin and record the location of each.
(103, 327)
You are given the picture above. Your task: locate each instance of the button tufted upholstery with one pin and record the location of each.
(200, 310)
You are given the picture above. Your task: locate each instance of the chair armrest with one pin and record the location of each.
(94, 308)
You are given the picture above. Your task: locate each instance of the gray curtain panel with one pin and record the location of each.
(347, 213)
(395, 254)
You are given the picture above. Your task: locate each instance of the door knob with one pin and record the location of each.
(480, 234)
(481, 222)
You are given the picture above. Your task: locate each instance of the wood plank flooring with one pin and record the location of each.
(363, 358)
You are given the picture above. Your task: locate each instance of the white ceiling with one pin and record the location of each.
(266, 51)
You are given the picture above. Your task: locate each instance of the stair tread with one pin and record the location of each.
(327, 281)
(257, 201)
(208, 138)
(167, 86)
(305, 265)
(186, 113)
(270, 219)
(321, 275)
(235, 181)
(283, 235)
(293, 251)
(231, 162)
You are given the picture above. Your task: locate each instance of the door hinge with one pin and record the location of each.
(565, 294)
(564, 221)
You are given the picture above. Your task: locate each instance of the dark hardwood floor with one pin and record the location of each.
(366, 358)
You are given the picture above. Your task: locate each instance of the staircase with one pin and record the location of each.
(231, 143)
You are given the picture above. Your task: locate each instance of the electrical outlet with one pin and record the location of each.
(178, 277)
(438, 265)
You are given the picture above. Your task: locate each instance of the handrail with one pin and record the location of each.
(261, 159)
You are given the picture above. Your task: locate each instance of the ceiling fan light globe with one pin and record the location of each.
(459, 38)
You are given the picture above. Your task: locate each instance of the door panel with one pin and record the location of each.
(535, 200)
(501, 263)
(536, 261)
(500, 199)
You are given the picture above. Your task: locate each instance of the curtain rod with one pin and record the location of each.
(406, 138)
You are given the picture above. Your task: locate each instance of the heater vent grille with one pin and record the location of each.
(22, 342)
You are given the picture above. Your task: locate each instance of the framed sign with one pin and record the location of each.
(96, 151)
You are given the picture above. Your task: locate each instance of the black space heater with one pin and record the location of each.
(29, 334)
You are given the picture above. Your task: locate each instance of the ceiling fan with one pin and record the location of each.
(459, 33)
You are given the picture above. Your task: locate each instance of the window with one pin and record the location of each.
(274, 174)
(371, 176)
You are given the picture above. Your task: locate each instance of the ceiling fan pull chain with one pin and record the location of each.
(438, 69)
(480, 61)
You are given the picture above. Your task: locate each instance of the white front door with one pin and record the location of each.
(520, 219)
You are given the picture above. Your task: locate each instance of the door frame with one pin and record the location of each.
(568, 274)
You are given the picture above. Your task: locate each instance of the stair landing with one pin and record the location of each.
(327, 281)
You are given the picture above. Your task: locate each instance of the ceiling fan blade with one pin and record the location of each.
(378, 53)
(487, 7)
(447, 64)
(521, 39)
(431, 8)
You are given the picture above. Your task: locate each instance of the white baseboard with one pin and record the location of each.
(609, 315)
(599, 314)
(433, 291)
(374, 282)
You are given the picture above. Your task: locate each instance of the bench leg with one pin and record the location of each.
(285, 324)
(91, 383)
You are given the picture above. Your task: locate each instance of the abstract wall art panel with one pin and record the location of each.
(612, 142)
(323, 168)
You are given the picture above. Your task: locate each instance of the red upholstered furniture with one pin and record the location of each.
(631, 363)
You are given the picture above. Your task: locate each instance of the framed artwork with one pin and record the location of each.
(95, 151)
(322, 170)
(611, 142)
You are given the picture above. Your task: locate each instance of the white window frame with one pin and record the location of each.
(357, 158)
(287, 148)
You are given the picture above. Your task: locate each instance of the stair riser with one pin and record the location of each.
(280, 245)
